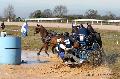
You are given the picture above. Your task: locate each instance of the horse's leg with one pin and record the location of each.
(53, 51)
(40, 50)
(46, 49)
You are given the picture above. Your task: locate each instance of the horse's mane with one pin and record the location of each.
(90, 28)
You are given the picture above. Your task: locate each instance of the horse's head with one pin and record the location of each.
(42, 31)
(38, 28)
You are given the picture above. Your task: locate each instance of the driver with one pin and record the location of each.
(83, 30)
(61, 48)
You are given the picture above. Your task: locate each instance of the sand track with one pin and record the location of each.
(54, 69)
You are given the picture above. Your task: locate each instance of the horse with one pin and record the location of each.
(47, 39)
(96, 36)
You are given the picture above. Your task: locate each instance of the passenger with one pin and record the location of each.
(74, 28)
(68, 40)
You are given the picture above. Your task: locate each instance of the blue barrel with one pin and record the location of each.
(10, 50)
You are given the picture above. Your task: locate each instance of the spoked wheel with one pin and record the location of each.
(103, 56)
(95, 57)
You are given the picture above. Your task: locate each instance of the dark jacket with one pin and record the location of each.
(84, 31)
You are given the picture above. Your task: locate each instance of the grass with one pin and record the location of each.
(109, 39)
(31, 42)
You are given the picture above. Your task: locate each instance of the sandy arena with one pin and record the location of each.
(52, 67)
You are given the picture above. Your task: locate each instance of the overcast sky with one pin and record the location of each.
(24, 7)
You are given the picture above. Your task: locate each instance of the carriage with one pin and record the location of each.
(88, 51)
(91, 52)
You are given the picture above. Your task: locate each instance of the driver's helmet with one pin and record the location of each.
(66, 34)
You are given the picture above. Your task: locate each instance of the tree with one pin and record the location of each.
(91, 14)
(36, 14)
(9, 13)
(60, 10)
(0, 18)
(105, 17)
(47, 13)
(111, 15)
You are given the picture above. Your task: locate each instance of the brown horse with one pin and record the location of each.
(45, 39)
(96, 36)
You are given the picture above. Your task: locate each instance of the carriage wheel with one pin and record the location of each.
(103, 56)
(90, 57)
(95, 57)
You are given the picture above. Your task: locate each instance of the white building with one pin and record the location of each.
(45, 19)
(88, 20)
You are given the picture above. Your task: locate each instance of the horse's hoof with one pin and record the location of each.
(38, 54)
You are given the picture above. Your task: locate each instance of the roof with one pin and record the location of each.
(45, 19)
(87, 20)
(113, 20)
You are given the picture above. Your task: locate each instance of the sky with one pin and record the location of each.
(23, 8)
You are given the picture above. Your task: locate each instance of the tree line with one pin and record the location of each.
(59, 11)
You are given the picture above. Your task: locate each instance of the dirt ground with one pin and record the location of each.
(51, 68)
